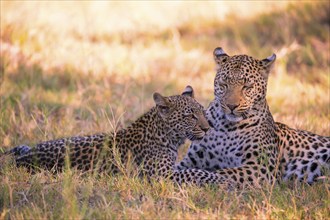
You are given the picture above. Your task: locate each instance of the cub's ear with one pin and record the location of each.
(267, 64)
(219, 56)
(188, 91)
(162, 104)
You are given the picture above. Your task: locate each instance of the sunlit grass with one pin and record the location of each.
(68, 194)
(65, 67)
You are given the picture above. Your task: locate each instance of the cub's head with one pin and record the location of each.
(240, 84)
(183, 115)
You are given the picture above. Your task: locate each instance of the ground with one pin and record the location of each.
(75, 69)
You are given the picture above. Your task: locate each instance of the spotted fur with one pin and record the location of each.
(152, 141)
(304, 155)
(245, 145)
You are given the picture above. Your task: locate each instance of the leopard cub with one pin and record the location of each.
(152, 141)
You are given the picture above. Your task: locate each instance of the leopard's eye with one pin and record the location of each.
(221, 89)
(248, 87)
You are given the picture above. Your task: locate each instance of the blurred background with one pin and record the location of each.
(71, 68)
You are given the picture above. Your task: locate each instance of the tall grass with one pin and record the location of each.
(65, 67)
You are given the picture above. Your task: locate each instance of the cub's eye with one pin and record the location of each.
(190, 115)
(187, 115)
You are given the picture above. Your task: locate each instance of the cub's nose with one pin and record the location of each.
(205, 128)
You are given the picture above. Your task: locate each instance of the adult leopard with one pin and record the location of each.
(245, 145)
(152, 142)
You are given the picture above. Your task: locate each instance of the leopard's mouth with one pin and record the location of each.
(194, 138)
(235, 115)
(196, 135)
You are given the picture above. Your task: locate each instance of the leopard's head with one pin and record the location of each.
(240, 84)
(182, 114)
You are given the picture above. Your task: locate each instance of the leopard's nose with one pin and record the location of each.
(232, 107)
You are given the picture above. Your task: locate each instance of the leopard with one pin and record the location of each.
(245, 145)
(151, 143)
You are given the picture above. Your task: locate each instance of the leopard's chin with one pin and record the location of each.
(233, 118)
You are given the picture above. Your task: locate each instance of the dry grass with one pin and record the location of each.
(65, 66)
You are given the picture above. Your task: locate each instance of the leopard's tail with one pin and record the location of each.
(19, 150)
(15, 152)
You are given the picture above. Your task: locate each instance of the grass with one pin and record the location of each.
(66, 66)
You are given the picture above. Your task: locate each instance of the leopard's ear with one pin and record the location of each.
(267, 64)
(162, 104)
(188, 91)
(219, 56)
